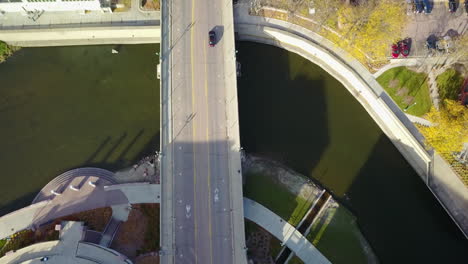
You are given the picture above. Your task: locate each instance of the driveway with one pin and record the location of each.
(438, 22)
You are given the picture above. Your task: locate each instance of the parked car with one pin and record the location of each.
(431, 43)
(466, 6)
(427, 6)
(212, 38)
(419, 6)
(395, 50)
(452, 6)
(404, 48)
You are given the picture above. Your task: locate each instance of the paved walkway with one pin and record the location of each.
(72, 201)
(69, 249)
(282, 230)
(419, 120)
(132, 17)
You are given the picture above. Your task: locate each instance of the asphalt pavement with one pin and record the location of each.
(200, 145)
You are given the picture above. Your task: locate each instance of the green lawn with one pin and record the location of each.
(2, 243)
(266, 191)
(449, 83)
(337, 236)
(408, 89)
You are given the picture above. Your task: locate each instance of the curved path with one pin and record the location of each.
(282, 230)
(83, 197)
(61, 182)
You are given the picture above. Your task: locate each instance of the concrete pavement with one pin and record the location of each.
(71, 201)
(282, 230)
(201, 159)
(45, 37)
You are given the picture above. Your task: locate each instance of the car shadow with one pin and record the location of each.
(219, 30)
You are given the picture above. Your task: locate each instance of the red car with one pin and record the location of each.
(395, 51)
(401, 47)
(404, 48)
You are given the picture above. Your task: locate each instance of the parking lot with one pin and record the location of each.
(439, 23)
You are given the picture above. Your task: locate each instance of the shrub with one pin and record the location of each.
(449, 83)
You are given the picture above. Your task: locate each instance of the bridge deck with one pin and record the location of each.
(201, 153)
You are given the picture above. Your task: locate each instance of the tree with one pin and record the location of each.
(373, 25)
(449, 83)
(450, 130)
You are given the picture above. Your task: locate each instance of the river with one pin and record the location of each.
(68, 107)
(294, 112)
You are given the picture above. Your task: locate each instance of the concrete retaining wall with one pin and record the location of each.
(234, 154)
(81, 36)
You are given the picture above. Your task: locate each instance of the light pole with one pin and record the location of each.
(408, 107)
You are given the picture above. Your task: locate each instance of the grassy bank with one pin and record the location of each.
(408, 89)
(6, 51)
(264, 190)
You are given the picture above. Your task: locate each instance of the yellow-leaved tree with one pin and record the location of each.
(372, 26)
(450, 128)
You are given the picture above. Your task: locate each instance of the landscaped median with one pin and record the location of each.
(408, 89)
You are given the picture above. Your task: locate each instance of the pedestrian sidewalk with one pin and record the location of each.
(284, 231)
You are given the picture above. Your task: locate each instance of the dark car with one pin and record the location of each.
(427, 6)
(419, 6)
(452, 6)
(212, 38)
(466, 6)
(431, 43)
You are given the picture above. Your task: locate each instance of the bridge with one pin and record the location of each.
(202, 207)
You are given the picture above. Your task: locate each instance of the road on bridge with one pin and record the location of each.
(200, 148)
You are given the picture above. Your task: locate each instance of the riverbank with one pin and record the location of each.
(6, 51)
(291, 196)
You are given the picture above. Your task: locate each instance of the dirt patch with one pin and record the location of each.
(258, 244)
(393, 83)
(402, 91)
(139, 234)
(408, 100)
